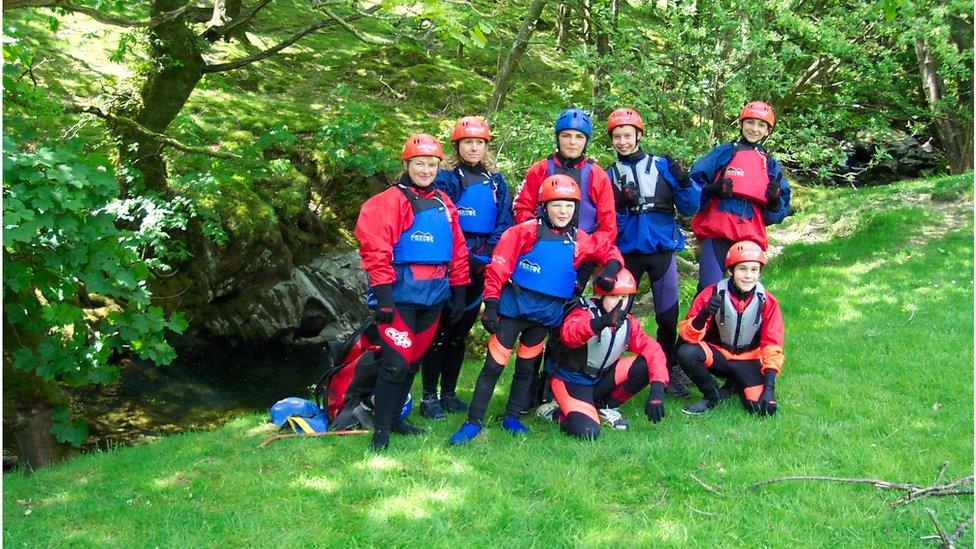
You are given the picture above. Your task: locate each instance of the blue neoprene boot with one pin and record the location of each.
(466, 433)
(514, 426)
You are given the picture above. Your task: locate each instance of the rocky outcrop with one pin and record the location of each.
(877, 160)
(318, 301)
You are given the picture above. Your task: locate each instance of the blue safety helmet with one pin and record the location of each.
(292, 406)
(573, 119)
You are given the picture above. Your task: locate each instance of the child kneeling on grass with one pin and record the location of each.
(734, 330)
(591, 380)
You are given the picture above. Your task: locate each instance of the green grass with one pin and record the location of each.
(878, 383)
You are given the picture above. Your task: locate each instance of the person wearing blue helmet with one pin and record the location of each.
(596, 214)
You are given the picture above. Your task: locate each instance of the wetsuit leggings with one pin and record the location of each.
(531, 337)
(446, 354)
(702, 360)
(403, 344)
(578, 403)
(662, 271)
(711, 261)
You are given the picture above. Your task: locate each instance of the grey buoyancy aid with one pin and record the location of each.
(602, 350)
(654, 193)
(748, 169)
(737, 331)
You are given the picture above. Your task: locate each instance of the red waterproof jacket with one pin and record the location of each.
(770, 349)
(519, 239)
(576, 331)
(382, 220)
(601, 195)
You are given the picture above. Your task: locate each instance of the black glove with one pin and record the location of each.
(583, 274)
(708, 311)
(773, 198)
(457, 304)
(489, 318)
(629, 192)
(384, 303)
(721, 188)
(678, 172)
(767, 400)
(614, 318)
(608, 276)
(654, 407)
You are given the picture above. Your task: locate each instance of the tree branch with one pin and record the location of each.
(163, 139)
(215, 33)
(363, 37)
(95, 14)
(264, 54)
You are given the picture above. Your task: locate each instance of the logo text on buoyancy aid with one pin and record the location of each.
(421, 236)
(399, 338)
(529, 266)
(467, 211)
(735, 171)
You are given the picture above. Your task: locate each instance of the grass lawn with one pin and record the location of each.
(876, 287)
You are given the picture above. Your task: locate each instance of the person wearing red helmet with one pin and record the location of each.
(591, 378)
(649, 191)
(412, 249)
(531, 277)
(743, 191)
(734, 330)
(595, 214)
(469, 176)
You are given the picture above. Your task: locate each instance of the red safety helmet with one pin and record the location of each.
(558, 187)
(759, 110)
(625, 285)
(745, 250)
(624, 117)
(421, 144)
(470, 126)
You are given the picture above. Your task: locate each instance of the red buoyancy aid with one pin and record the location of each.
(747, 169)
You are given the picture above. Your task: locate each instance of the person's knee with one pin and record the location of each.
(689, 354)
(581, 426)
(394, 371)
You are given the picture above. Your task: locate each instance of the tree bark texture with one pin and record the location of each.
(600, 31)
(563, 11)
(956, 135)
(504, 77)
(164, 93)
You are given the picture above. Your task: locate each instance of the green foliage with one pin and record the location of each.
(62, 249)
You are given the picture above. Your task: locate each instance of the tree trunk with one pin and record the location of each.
(504, 77)
(562, 25)
(174, 50)
(955, 134)
(27, 404)
(601, 72)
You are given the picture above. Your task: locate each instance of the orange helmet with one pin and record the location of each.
(625, 285)
(421, 144)
(470, 126)
(624, 117)
(759, 110)
(558, 187)
(745, 250)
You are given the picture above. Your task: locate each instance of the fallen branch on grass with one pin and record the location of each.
(913, 491)
(325, 434)
(947, 541)
(705, 486)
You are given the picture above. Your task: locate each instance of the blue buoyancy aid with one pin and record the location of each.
(548, 267)
(477, 206)
(586, 211)
(429, 239)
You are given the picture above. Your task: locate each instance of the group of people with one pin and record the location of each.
(447, 243)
